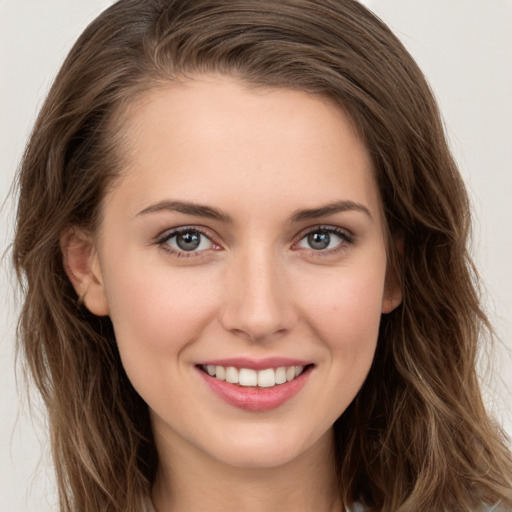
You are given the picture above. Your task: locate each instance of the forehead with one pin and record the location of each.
(212, 137)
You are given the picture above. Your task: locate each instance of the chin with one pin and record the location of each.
(255, 459)
(266, 451)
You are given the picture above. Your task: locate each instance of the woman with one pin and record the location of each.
(243, 243)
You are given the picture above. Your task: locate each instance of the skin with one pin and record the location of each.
(254, 288)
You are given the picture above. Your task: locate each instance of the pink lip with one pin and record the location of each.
(256, 364)
(254, 398)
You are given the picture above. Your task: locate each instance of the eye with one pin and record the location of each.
(185, 240)
(324, 239)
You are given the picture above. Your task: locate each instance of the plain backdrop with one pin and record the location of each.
(464, 48)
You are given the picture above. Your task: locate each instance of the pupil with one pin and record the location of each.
(189, 240)
(319, 240)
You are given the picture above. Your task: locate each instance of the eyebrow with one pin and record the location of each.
(330, 209)
(209, 212)
(188, 208)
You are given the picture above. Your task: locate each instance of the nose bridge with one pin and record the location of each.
(257, 302)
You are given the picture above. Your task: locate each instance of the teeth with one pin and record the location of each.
(220, 372)
(250, 378)
(231, 375)
(247, 377)
(281, 375)
(266, 378)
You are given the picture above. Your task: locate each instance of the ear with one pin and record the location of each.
(392, 297)
(82, 266)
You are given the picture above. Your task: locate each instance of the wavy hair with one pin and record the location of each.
(417, 436)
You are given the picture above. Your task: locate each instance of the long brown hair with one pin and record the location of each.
(417, 436)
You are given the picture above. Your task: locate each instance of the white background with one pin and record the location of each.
(465, 49)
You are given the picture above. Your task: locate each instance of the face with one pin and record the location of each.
(243, 242)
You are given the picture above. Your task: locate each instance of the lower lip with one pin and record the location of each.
(254, 398)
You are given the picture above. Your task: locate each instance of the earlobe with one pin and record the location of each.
(391, 301)
(82, 267)
(392, 291)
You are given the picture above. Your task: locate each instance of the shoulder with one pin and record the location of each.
(497, 507)
(148, 506)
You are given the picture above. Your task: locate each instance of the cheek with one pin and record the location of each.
(155, 320)
(155, 312)
(352, 293)
(346, 314)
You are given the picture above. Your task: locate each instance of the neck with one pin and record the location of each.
(186, 481)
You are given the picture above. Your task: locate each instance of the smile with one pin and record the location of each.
(256, 385)
(247, 377)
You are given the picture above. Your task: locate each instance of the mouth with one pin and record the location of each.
(262, 388)
(250, 378)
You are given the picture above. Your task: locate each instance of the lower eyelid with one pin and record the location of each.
(346, 239)
(162, 242)
(197, 249)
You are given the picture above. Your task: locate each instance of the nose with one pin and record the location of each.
(257, 301)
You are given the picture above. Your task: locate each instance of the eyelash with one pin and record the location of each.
(347, 239)
(162, 241)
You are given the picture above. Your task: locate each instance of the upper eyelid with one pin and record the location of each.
(214, 238)
(347, 239)
(170, 232)
(162, 242)
(325, 227)
(163, 238)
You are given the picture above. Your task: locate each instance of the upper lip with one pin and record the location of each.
(255, 364)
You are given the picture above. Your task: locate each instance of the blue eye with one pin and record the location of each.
(323, 239)
(187, 240)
